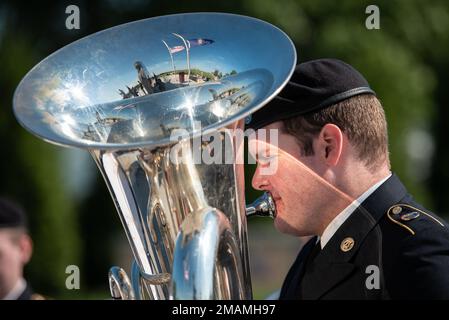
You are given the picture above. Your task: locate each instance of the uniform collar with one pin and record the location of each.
(17, 290)
(333, 264)
(335, 224)
(364, 218)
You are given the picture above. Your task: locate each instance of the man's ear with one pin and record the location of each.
(330, 144)
(26, 248)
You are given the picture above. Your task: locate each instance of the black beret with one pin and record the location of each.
(314, 85)
(11, 215)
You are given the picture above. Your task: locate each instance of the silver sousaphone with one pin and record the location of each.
(145, 99)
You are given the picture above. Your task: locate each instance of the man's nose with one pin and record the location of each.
(259, 182)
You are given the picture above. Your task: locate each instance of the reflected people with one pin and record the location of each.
(144, 77)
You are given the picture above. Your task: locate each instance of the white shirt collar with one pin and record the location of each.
(336, 223)
(17, 290)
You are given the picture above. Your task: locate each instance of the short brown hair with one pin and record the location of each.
(362, 120)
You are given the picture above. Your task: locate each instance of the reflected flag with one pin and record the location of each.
(176, 49)
(199, 42)
(192, 43)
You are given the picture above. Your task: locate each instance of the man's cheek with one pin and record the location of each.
(269, 170)
(5, 265)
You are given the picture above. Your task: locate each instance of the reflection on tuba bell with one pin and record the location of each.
(145, 98)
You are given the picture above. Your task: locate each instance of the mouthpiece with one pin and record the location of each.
(263, 207)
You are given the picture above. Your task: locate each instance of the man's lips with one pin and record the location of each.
(277, 200)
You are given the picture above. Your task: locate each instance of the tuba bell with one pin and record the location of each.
(156, 102)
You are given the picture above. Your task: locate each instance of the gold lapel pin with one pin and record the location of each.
(396, 210)
(347, 244)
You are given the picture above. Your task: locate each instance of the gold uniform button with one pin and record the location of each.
(396, 210)
(347, 244)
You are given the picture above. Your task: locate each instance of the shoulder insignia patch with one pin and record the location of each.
(400, 213)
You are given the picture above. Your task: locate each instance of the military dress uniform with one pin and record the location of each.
(407, 244)
(389, 247)
(22, 291)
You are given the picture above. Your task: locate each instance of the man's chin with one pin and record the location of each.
(282, 226)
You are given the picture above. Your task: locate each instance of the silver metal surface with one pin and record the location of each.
(76, 95)
(141, 97)
(263, 206)
(120, 285)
